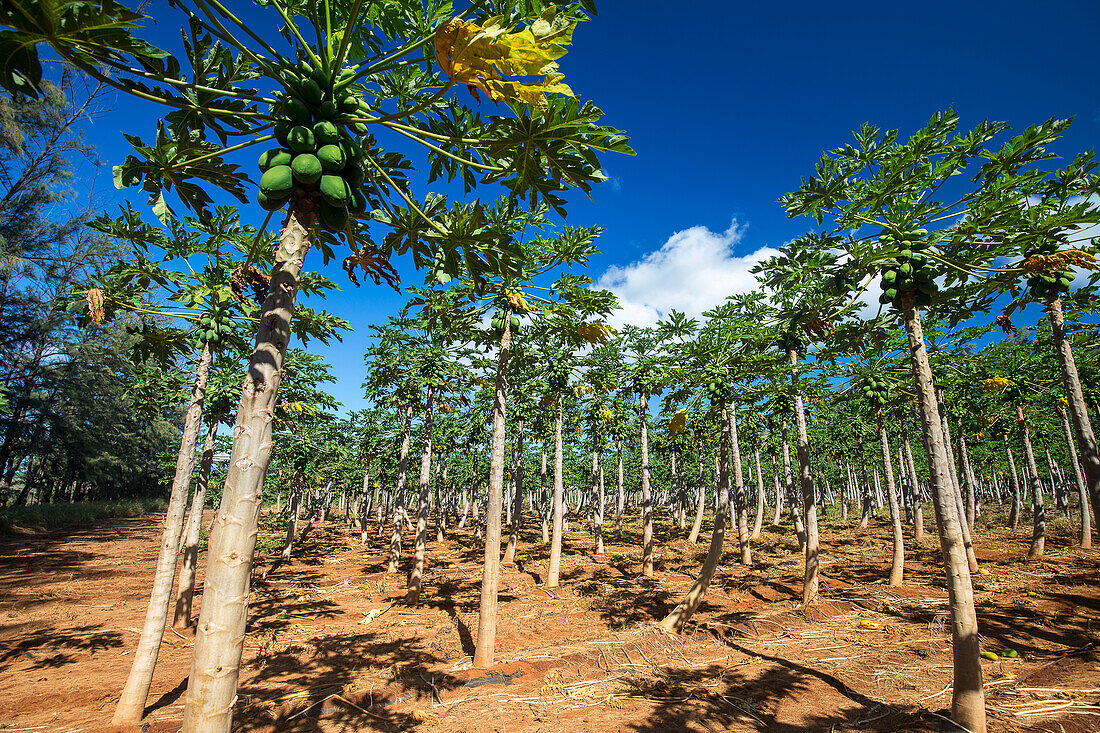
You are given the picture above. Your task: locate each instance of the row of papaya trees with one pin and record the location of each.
(332, 96)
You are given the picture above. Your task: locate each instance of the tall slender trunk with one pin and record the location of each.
(416, 577)
(897, 565)
(1038, 510)
(219, 644)
(968, 697)
(970, 495)
(680, 615)
(363, 512)
(548, 504)
(620, 498)
(740, 502)
(647, 493)
(558, 504)
(788, 488)
(700, 497)
(186, 590)
(779, 494)
(917, 500)
(1016, 509)
(811, 581)
(757, 524)
(1086, 439)
(971, 557)
(399, 492)
(292, 520)
(1082, 492)
(600, 506)
(131, 703)
(517, 503)
(490, 579)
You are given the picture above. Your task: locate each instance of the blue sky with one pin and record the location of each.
(728, 104)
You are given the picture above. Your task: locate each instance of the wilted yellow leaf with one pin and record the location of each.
(478, 56)
(595, 332)
(678, 422)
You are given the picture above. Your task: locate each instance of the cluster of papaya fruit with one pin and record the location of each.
(644, 379)
(513, 322)
(319, 157)
(793, 338)
(911, 270)
(875, 392)
(1046, 284)
(213, 326)
(557, 375)
(719, 391)
(605, 415)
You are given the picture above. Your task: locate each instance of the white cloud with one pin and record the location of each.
(693, 271)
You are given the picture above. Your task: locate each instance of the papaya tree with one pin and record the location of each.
(322, 80)
(892, 216)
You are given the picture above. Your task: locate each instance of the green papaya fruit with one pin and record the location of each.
(890, 293)
(991, 656)
(331, 157)
(282, 129)
(889, 276)
(300, 139)
(353, 174)
(307, 168)
(335, 218)
(335, 190)
(297, 112)
(310, 92)
(924, 299)
(357, 204)
(1010, 653)
(905, 269)
(513, 322)
(327, 109)
(326, 133)
(349, 104)
(277, 182)
(273, 157)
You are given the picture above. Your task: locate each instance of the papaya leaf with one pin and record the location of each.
(481, 55)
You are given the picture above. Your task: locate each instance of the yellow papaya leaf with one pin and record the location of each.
(678, 422)
(517, 301)
(480, 55)
(595, 332)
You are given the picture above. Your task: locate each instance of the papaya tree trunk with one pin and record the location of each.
(812, 578)
(131, 702)
(740, 502)
(968, 695)
(416, 577)
(700, 496)
(620, 498)
(558, 510)
(788, 488)
(916, 499)
(1085, 540)
(600, 506)
(680, 615)
(219, 644)
(1038, 509)
(779, 495)
(548, 504)
(1078, 412)
(490, 579)
(758, 523)
(1013, 485)
(399, 493)
(970, 495)
(971, 557)
(186, 590)
(517, 502)
(897, 565)
(647, 492)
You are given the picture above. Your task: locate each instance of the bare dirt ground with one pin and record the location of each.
(584, 657)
